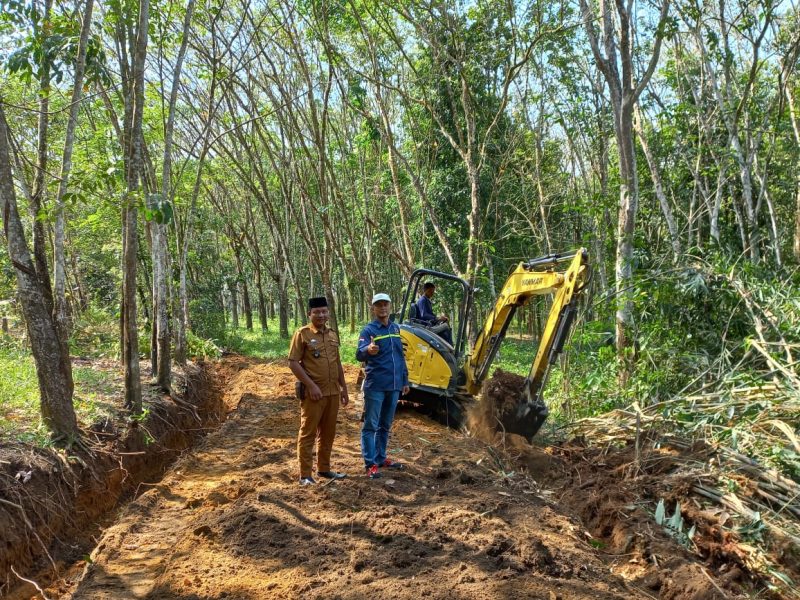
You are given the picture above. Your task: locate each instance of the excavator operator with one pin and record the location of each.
(439, 325)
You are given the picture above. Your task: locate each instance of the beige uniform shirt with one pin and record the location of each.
(318, 352)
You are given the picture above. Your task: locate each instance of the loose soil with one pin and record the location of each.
(465, 519)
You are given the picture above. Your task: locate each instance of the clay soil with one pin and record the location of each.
(229, 520)
(465, 519)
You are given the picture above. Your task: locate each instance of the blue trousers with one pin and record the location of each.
(379, 407)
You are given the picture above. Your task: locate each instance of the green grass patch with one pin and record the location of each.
(268, 345)
(98, 393)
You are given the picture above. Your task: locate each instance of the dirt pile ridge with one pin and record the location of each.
(230, 521)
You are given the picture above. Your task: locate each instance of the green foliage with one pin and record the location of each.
(95, 333)
(674, 525)
(202, 348)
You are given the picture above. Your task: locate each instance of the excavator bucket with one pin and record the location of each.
(526, 419)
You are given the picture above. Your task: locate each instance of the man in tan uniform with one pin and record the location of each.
(314, 360)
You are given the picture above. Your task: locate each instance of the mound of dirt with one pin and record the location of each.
(615, 496)
(500, 395)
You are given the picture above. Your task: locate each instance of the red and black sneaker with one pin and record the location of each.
(392, 464)
(372, 472)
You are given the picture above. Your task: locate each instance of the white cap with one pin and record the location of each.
(379, 297)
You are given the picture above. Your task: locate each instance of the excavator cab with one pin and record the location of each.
(434, 365)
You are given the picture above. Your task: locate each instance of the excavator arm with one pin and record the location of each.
(536, 277)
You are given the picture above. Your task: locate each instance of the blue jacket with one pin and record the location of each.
(387, 369)
(425, 310)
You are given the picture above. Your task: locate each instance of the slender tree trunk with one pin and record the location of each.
(283, 305)
(262, 305)
(658, 185)
(617, 67)
(59, 254)
(134, 168)
(796, 130)
(233, 289)
(628, 208)
(161, 266)
(247, 305)
(53, 367)
(39, 183)
(83, 299)
(182, 314)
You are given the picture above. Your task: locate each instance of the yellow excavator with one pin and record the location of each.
(445, 377)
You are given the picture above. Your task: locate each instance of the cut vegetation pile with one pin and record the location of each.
(718, 471)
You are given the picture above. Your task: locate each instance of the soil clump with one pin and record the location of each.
(500, 395)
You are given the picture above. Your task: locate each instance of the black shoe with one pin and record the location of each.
(331, 475)
(392, 464)
(372, 472)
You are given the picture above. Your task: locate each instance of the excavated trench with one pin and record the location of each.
(53, 505)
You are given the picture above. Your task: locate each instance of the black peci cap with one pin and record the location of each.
(317, 302)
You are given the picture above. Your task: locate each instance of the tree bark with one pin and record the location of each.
(658, 186)
(53, 367)
(134, 168)
(796, 130)
(39, 183)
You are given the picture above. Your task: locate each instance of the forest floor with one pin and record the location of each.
(465, 519)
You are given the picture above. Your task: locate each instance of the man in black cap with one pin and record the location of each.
(314, 360)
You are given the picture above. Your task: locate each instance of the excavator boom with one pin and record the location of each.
(537, 277)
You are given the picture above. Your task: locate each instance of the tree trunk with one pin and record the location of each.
(658, 185)
(233, 289)
(182, 313)
(247, 306)
(796, 130)
(83, 300)
(617, 67)
(283, 308)
(134, 168)
(59, 254)
(53, 367)
(39, 183)
(161, 267)
(262, 305)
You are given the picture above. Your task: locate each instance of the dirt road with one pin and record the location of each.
(230, 521)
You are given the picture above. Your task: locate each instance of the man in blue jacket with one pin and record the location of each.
(381, 349)
(439, 325)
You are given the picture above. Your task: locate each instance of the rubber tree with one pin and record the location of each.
(53, 367)
(59, 234)
(614, 48)
(133, 85)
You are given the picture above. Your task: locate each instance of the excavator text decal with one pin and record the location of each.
(533, 281)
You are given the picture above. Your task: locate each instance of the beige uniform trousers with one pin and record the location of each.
(317, 422)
